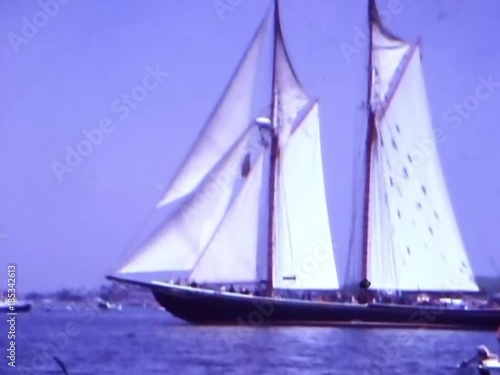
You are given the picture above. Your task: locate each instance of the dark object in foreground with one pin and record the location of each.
(61, 365)
(486, 362)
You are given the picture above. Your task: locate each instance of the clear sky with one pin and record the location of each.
(65, 65)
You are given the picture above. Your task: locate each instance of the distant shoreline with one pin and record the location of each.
(489, 285)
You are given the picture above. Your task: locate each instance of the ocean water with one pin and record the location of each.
(149, 341)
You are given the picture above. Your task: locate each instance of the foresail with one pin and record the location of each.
(233, 253)
(181, 240)
(414, 241)
(304, 256)
(226, 124)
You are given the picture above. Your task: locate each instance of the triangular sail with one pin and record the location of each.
(413, 240)
(180, 241)
(223, 241)
(304, 251)
(233, 254)
(388, 53)
(290, 98)
(226, 124)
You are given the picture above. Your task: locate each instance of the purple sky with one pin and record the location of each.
(69, 74)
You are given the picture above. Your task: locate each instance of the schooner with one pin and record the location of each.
(251, 205)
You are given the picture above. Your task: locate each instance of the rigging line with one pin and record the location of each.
(125, 254)
(404, 230)
(388, 228)
(392, 246)
(385, 216)
(353, 264)
(354, 256)
(378, 191)
(316, 171)
(380, 217)
(389, 243)
(234, 199)
(287, 217)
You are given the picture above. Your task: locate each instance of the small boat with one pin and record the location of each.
(487, 362)
(17, 306)
(106, 305)
(489, 366)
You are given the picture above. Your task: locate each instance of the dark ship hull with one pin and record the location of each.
(207, 307)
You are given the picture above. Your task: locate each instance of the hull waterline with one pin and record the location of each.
(207, 307)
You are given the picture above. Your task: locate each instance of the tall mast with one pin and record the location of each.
(272, 167)
(370, 137)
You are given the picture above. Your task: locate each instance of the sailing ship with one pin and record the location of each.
(106, 305)
(250, 206)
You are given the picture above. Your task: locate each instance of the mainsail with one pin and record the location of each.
(413, 240)
(304, 249)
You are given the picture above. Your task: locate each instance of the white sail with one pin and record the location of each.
(228, 121)
(413, 242)
(290, 98)
(233, 253)
(304, 256)
(388, 53)
(179, 243)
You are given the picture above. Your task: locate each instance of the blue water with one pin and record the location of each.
(142, 342)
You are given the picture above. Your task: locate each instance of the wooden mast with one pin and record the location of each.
(370, 137)
(273, 157)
